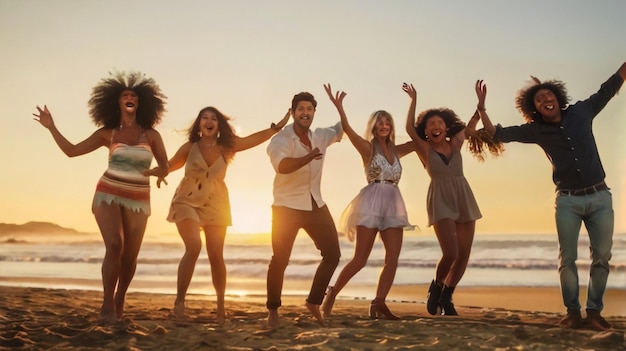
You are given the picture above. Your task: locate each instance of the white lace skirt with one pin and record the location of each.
(378, 205)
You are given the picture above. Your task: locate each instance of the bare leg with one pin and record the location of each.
(364, 242)
(392, 239)
(445, 230)
(134, 224)
(464, 238)
(109, 219)
(215, 236)
(189, 231)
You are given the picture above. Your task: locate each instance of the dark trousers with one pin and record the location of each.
(320, 226)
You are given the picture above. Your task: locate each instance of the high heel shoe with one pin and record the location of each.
(378, 309)
(329, 301)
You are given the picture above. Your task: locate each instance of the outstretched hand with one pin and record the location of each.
(44, 117)
(161, 180)
(481, 93)
(315, 154)
(409, 89)
(155, 172)
(337, 98)
(282, 122)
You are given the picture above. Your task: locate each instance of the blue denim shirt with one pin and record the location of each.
(569, 145)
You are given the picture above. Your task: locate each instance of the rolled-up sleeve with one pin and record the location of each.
(338, 132)
(277, 150)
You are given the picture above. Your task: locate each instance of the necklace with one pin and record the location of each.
(131, 124)
(209, 146)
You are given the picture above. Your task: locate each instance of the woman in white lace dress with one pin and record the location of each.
(378, 207)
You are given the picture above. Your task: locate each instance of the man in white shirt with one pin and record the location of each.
(297, 155)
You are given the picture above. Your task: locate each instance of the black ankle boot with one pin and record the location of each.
(447, 307)
(434, 294)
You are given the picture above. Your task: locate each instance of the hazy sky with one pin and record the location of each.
(248, 59)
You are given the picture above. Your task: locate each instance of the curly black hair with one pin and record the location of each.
(452, 121)
(525, 99)
(480, 141)
(226, 133)
(104, 106)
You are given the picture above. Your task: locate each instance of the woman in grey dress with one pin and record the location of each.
(452, 209)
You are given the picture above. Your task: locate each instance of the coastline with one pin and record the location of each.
(520, 298)
(37, 318)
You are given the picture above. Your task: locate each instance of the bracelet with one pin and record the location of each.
(481, 109)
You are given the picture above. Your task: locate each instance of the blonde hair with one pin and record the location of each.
(370, 131)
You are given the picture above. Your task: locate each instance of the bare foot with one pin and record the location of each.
(119, 304)
(272, 318)
(315, 311)
(221, 313)
(179, 311)
(107, 316)
(329, 301)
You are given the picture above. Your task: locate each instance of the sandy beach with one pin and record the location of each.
(490, 319)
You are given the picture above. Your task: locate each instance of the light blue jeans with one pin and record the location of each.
(596, 211)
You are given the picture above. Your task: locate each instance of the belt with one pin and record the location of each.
(584, 191)
(384, 181)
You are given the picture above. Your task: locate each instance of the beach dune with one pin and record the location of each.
(58, 319)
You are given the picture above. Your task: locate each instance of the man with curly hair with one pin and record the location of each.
(126, 107)
(565, 133)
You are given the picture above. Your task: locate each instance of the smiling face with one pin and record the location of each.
(208, 124)
(547, 105)
(129, 101)
(303, 115)
(436, 129)
(383, 127)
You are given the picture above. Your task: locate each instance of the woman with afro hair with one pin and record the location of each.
(125, 107)
(452, 209)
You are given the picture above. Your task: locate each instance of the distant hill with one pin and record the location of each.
(35, 227)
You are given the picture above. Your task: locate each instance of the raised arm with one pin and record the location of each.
(481, 141)
(421, 146)
(362, 146)
(410, 118)
(481, 93)
(93, 142)
(259, 137)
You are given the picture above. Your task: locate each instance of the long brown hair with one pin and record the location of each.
(226, 134)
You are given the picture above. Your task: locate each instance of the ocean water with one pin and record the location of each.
(496, 260)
